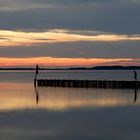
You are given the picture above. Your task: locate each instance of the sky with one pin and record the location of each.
(69, 33)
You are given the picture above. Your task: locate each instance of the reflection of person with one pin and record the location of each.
(135, 75)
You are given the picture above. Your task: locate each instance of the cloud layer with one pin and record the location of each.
(121, 16)
(12, 38)
(76, 30)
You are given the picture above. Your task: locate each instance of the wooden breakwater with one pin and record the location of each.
(89, 83)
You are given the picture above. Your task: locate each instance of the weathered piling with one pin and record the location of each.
(88, 83)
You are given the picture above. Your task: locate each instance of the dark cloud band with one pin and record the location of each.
(121, 16)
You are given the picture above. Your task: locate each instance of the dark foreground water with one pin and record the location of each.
(45, 113)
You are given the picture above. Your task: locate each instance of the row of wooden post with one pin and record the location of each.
(88, 83)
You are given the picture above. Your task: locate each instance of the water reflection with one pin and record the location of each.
(36, 94)
(19, 96)
(135, 95)
(67, 113)
(67, 98)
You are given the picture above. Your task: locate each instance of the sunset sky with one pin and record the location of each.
(69, 33)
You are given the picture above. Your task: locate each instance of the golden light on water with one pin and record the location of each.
(22, 96)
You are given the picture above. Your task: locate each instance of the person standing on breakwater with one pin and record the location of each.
(36, 73)
(135, 75)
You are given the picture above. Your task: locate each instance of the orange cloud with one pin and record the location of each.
(19, 38)
(56, 62)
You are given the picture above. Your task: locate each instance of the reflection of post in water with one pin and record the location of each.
(135, 95)
(36, 94)
(136, 91)
(136, 86)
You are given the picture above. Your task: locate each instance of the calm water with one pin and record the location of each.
(28, 113)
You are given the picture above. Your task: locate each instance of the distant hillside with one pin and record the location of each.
(116, 68)
(108, 68)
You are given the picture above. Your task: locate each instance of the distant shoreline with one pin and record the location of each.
(82, 68)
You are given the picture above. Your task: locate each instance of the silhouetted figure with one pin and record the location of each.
(36, 73)
(37, 95)
(135, 75)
